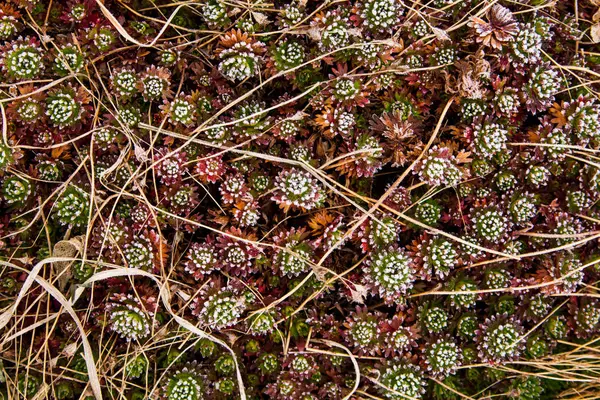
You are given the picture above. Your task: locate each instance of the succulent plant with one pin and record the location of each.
(392, 272)
(22, 59)
(489, 139)
(428, 212)
(136, 367)
(288, 55)
(278, 194)
(490, 224)
(129, 317)
(268, 363)
(402, 380)
(334, 30)
(185, 383)
(442, 357)
(201, 260)
(527, 45)
(64, 107)
(434, 319)
(240, 56)
(16, 190)
(154, 83)
(500, 339)
(439, 168)
(215, 13)
(262, 323)
(124, 82)
(221, 310)
(182, 110)
(297, 188)
(439, 255)
(380, 15)
(73, 206)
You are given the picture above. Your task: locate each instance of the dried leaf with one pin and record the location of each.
(234, 11)
(559, 118)
(392, 43)
(26, 259)
(67, 305)
(70, 349)
(260, 18)
(140, 153)
(231, 337)
(59, 152)
(440, 34)
(534, 137)
(314, 33)
(463, 157)
(66, 249)
(186, 297)
(299, 116)
(320, 221)
(178, 238)
(359, 293)
(320, 273)
(595, 33)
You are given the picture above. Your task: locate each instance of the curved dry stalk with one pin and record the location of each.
(164, 295)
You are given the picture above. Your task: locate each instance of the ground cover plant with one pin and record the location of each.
(230, 199)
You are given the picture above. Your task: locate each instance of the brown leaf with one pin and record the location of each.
(219, 218)
(320, 221)
(61, 153)
(559, 118)
(298, 116)
(534, 137)
(234, 11)
(463, 157)
(451, 146)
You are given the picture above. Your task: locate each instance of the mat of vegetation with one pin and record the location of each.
(295, 200)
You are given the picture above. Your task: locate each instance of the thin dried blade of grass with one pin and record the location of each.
(166, 301)
(88, 355)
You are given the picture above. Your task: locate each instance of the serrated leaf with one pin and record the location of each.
(463, 157)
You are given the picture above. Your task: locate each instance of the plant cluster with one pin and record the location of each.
(299, 199)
